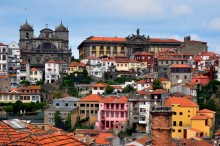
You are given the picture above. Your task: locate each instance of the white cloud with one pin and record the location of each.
(195, 37)
(214, 24)
(131, 8)
(182, 10)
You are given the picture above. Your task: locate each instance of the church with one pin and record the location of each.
(49, 45)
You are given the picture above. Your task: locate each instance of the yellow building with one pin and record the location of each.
(166, 83)
(184, 110)
(204, 122)
(76, 66)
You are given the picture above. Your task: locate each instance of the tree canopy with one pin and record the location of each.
(129, 88)
(109, 89)
(157, 84)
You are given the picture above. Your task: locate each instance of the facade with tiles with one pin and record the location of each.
(111, 46)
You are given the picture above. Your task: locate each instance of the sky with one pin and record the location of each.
(109, 18)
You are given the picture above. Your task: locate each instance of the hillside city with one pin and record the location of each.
(132, 91)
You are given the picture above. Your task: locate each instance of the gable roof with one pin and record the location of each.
(199, 117)
(115, 99)
(51, 61)
(180, 66)
(102, 139)
(205, 111)
(74, 64)
(159, 91)
(92, 97)
(100, 85)
(184, 102)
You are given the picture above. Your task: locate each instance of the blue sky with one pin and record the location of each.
(110, 18)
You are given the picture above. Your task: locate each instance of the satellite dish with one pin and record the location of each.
(180, 81)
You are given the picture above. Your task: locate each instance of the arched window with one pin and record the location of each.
(27, 35)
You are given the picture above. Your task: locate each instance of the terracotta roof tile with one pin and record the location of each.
(199, 117)
(1, 44)
(34, 69)
(164, 40)
(108, 39)
(184, 102)
(92, 97)
(201, 77)
(51, 61)
(115, 99)
(205, 111)
(142, 92)
(196, 130)
(180, 66)
(101, 139)
(75, 64)
(141, 82)
(163, 79)
(144, 53)
(143, 140)
(100, 85)
(159, 91)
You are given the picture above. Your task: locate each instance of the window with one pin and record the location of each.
(177, 76)
(87, 105)
(5, 97)
(173, 130)
(82, 111)
(185, 77)
(11, 97)
(174, 113)
(179, 130)
(0, 97)
(174, 123)
(188, 115)
(188, 111)
(91, 105)
(112, 114)
(67, 104)
(180, 123)
(181, 113)
(57, 104)
(75, 104)
(95, 88)
(142, 119)
(122, 114)
(117, 114)
(107, 114)
(91, 111)
(82, 105)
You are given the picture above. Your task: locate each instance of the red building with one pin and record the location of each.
(201, 79)
(145, 57)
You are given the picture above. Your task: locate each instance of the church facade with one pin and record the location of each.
(49, 45)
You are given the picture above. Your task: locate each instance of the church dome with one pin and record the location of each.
(26, 26)
(61, 28)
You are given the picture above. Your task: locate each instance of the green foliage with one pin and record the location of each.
(40, 82)
(57, 94)
(19, 105)
(122, 134)
(85, 73)
(157, 84)
(74, 59)
(25, 82)
(58, 121)
(73, 92)
(105, 75)
(109, 89)
(9, 108)
(128, 89)
(67, 125)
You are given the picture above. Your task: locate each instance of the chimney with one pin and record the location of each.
(161, 126)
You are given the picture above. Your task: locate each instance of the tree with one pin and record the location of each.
(210, 104)
(9, 109)
(57, 94)
(25, 82)
(39, 82)
(128, 89)
(157, 84)
(58, 121)
(18, 106)
(73, 92)
(109, 89)
(84, 73)
(68, 123)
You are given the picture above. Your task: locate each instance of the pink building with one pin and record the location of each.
(112, 113)
(201, 79)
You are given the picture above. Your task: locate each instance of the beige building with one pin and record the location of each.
(75, 66)
(88, 108)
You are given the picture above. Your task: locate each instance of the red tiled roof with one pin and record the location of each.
(196, 130)
(74, 64)
(180, 66)
(169, 58)
(207, 54)
(199, 117)
(108, 39)
(201, 77)
(205, 111)
(143, 140)
(159, 91)
(184, 102)
(164, 40)
(108, 59)
(117, 87)
(190, 142)
(51, 61)
(102, 139)
(115, 99)
(1, 44)
(197, 58)
(92, 97)
(132, 60)
(142, 92)
(143, 53)
(87, 131)
(100, 85)
(141, 82)
(34, 69)
(163, 79)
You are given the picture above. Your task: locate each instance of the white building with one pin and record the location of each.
(14, 63)
(142, 85)
(52, 71)
(98, 88)
(35, 75)
(106, 63)
(24, 71)
(3, 60)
